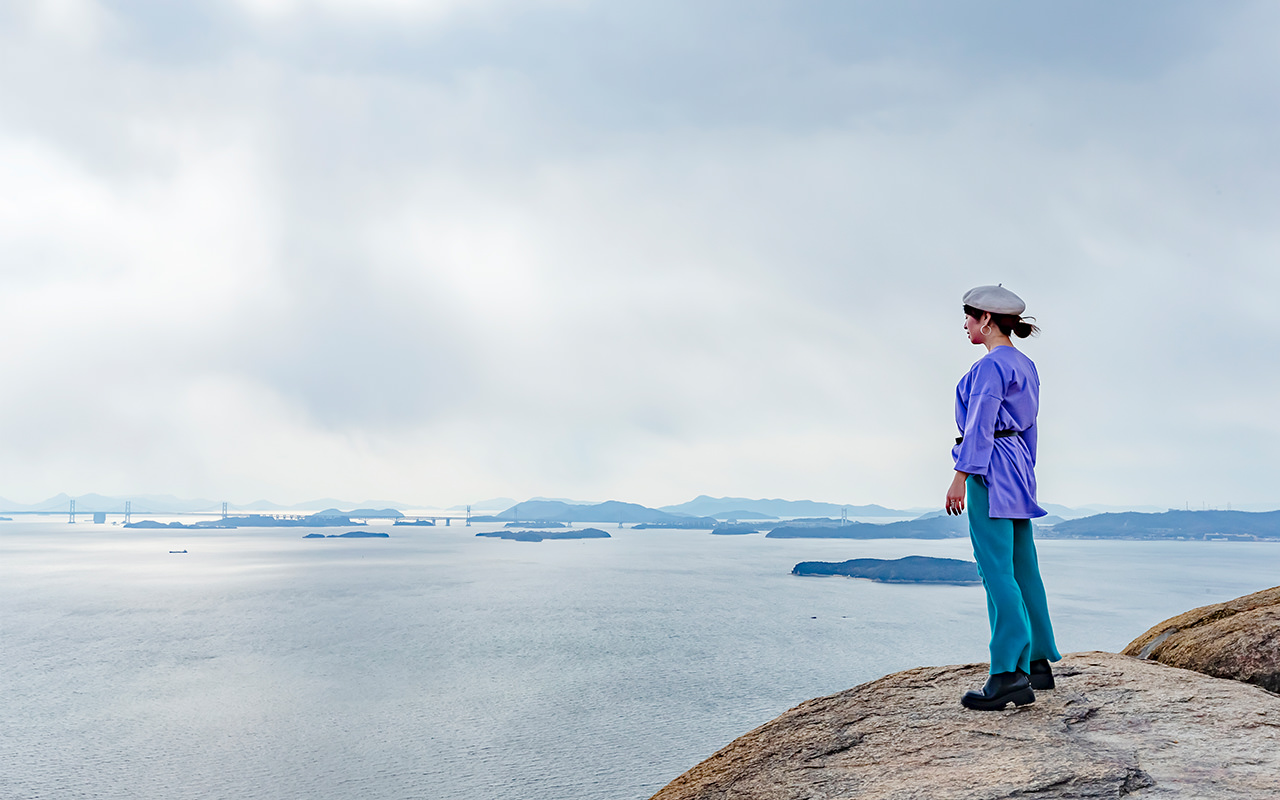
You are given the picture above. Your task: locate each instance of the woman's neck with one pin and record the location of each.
(999, 340)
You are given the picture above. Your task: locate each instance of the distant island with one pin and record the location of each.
(737, 528)
(911, 569)
(738, 514)
(744, 508)
(682, 524)
(611, 511)
(1191, 525)
(350, 535)
(362, 513)
(540, 535)
(1205, 525)
(725, 516)
(928, 528)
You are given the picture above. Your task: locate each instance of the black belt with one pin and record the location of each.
(996, 435)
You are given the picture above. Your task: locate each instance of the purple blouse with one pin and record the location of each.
(1001, 393)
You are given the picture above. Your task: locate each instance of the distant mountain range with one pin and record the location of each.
(502, 503)
(706, 506)
(560, 511)
(494, 504)
(565, 510)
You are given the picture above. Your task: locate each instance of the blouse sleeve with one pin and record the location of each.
(973, 455)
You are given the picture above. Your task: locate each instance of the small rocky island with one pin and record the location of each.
(540, 535)
(911, 569)
(737, 528)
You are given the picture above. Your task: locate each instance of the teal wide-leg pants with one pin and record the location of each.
(1017, 608)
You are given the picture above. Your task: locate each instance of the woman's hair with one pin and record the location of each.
(1009, 324)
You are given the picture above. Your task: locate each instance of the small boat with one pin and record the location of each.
(177, 551)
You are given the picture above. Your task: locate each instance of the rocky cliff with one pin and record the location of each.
(1115, 726)
(1238, 639)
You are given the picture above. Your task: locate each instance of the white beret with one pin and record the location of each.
(996, 299)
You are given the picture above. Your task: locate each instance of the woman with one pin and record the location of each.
(996, 405)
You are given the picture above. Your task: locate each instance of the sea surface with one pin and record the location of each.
(435, 664)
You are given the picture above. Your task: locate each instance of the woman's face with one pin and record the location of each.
(973, 327)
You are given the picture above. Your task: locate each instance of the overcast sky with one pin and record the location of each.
(447, 250)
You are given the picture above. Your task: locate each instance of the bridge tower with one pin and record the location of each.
(224, 509)
(468, 516)
(72, 519)
(128, 511)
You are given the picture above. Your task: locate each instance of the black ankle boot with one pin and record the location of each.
(1001, 689)
(1041, 675)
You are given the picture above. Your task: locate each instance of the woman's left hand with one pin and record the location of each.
(955, 494)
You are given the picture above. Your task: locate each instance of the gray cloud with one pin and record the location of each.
(631, 250)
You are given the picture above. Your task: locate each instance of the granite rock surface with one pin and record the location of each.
(1238, 639)
(1115, 726)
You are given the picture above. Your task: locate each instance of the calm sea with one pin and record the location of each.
(435, 664)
